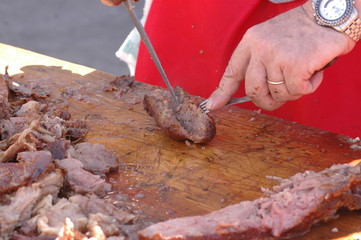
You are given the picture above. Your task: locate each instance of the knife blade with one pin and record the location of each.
(143, 35)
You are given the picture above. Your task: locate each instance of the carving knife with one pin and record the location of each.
(143, 35)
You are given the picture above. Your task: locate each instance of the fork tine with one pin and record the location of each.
(230, 102)
(203, 103)
(203, 106)
(205, 110)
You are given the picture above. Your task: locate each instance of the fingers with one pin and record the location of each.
(111, 3)
(258, 89)
(292, 81)
(302, 81)
(262, 75)
(268, 88)
(231, 79)
(277, 85)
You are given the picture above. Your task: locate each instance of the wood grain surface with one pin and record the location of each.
(167, 179)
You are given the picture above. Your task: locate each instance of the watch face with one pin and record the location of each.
(333, 12)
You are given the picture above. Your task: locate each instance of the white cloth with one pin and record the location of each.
(128, 51)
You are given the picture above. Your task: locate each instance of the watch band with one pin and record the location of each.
(354, 29)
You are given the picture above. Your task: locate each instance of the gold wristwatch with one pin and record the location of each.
(340, 15)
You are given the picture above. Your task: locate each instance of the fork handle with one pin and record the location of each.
(233, 101)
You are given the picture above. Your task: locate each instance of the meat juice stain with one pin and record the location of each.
(147, 194)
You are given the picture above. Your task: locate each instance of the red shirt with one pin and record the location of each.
(195, 39)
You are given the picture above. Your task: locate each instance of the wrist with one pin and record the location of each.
(346, 20)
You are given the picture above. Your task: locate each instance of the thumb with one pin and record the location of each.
(227, 88)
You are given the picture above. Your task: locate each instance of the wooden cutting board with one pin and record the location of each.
(167, 179)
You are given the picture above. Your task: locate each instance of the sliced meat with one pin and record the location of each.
(294, 206)
(32, 166)
(184, 122)
(22, 203)
(80, 180)
(96, 158)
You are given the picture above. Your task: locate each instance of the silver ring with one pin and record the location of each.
(276, 83)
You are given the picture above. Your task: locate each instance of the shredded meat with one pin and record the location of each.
(44, 168)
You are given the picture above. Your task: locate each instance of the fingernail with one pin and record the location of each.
(209, 103)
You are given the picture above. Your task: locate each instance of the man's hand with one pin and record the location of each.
(289, 49)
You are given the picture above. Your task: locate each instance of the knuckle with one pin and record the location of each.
(302, 88)
(252, 93)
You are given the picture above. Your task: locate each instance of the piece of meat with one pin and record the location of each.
(35, 136)
(80, 180)
(12, 126)
(96, 158)
(68, 232)
(27, 140)
(25, 90)
(58, 148)
(5, 110)
(294, 206)
(92, 204)
(32, 165)
(30, 227)
(30, 110)
(125, 89)
(100, 224)
(87, 214)
(50, 221)
(184, 122)
(39, 133)
(76, 130)
(22, 203)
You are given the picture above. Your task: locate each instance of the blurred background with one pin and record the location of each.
(80, 31)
